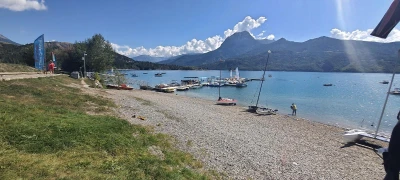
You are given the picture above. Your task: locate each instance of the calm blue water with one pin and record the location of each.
(352, 98)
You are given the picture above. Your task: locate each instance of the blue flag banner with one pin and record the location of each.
(54, 59)
(39, 52)
(389, 21)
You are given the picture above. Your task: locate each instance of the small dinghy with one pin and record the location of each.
(266, 111)
(354, 135)
(121, 87)
(182, 88)
(226, 101)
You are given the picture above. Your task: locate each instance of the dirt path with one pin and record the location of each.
(7, 76)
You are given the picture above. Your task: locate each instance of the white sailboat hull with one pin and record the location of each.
(352, 136)
(266, 111)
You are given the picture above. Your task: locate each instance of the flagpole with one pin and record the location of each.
(387, 95)
(44, 56)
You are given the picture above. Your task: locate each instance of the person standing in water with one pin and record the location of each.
(294, 109)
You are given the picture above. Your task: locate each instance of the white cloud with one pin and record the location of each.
(193, 46)
(365, 35)
(22, 5)
(271, 37)
(246, 25)
(261, 34)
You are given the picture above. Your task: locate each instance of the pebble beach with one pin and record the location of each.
(243, 145)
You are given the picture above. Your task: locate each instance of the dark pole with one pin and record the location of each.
(263, 79)
(219, 84)
(84, 64)
(387, 96)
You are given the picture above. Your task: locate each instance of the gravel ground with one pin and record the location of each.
(244, 145)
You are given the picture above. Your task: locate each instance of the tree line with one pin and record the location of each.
(100, 56)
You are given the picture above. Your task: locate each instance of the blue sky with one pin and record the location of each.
(138, 27)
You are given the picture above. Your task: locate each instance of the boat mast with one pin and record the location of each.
(219, 84)
(387, 96)
(262, 80)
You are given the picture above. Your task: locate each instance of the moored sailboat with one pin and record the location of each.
(262, 110)
(224, 101)
(382, 30)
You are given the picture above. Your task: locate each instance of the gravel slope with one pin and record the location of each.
(245, 145)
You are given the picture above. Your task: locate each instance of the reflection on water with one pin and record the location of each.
(354, 97)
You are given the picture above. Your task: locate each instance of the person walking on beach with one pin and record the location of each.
(51, 67)
(391, 159)
(294, 109)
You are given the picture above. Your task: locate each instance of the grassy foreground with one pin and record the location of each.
(45, 133)
(6, 67)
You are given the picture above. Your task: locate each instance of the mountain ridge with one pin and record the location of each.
(233, 45)
(322, 54)
(149, 58)
(5, 40)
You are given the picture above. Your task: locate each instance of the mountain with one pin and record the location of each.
(323, 54)
(5, 40)
(233, 46)
(123, 62)
(266, 41)
(149, 58)
(158, 59)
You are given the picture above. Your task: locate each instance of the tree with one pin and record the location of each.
(100, 54)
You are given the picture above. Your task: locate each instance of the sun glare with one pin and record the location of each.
(354, 55)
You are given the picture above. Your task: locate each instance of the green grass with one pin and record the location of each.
(45, 133)
(6, 67)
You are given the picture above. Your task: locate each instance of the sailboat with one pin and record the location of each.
(134, 74)
(262, 110)
(239, 82)
(223, 101)
(354, 135)
(382, 30)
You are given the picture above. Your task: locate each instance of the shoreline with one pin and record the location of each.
(342, 126)
(344, 105)
(244, 145)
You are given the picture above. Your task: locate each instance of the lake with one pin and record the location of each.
(355, 100)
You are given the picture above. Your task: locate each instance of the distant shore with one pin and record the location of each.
(244, 145)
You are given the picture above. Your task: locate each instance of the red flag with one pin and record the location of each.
(389, 21)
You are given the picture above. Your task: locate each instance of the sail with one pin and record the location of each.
(389, 21)
(237, 73)
(54, 59)
(39, 52)
(231, 74)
